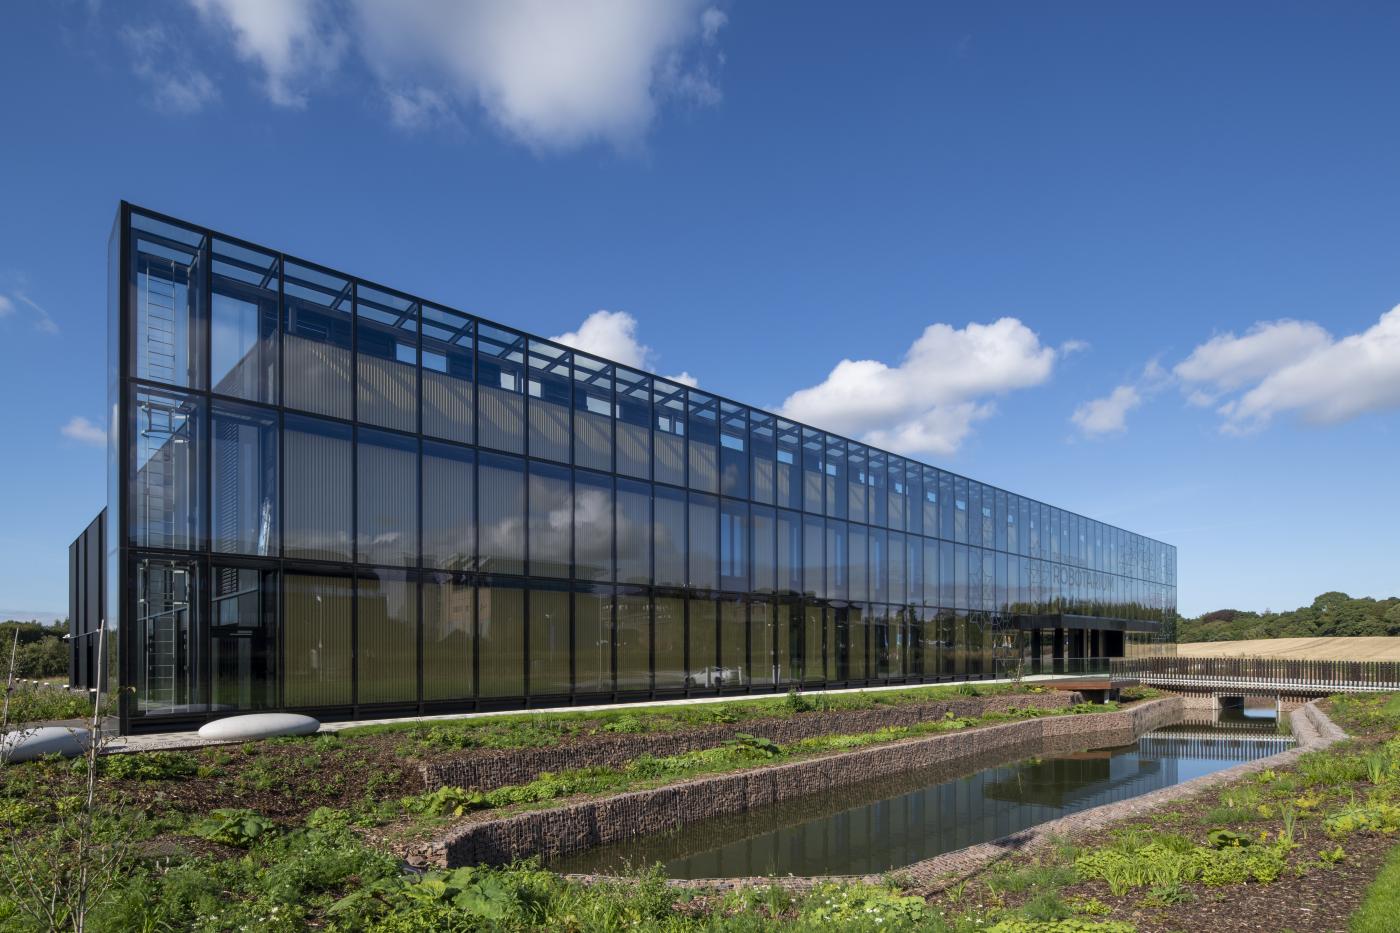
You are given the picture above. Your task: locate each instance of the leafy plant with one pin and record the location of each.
(756, 743)
(148, 766)
(1331, 858)
(234, 827)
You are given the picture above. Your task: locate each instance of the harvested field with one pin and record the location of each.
(1312, 649)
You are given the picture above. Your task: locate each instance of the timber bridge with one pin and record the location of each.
(1266, 677)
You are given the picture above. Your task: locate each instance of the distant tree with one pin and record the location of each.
(1331, 614)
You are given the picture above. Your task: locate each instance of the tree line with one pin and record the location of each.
(1331, 615)
(42, 651)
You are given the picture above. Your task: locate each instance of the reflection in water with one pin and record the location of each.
(872, 828)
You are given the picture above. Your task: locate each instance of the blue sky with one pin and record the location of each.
(1138, 261)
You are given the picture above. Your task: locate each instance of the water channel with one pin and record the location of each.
(884, 825)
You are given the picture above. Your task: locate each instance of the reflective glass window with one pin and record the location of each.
(319, 489)
(932, 593)
(703, 638)
(898, 578)
(765, 562)
(813, 455)
(386, 358)
(633, 641)
(914, 497)
(704, 541)
(763, 642)
(668, 536)
(501, 514)
(244, 294)
(733, 642)
(449, 362)
(860, 562)
(168, 638)
(593, 413)
(243, 480)
(633, 423)
(789, 468)
(763, 451)
(387, 477)
(167, 470)
(669, 635)
(733, 451)
(813, 629)
(449, 637)
(243, 639)
(878, 480)
(551, 520)
(317, 613)
(387, 642)
(789, 552)
(449, 506)
(857, 638)
(550, 388)
(500, 616)
(837, 497)
(947, 508)
(960, 502)
(500, 386)
(930, 502)
(633, 532)
(858, 495)
(317, 322)
(668, 432)
(813, 546)
(838, 560)
(898, 495)
(703, 430)
(549, 642)
(168, 316)
(734, 546)
(593, 526)
(879, 566)
(593, 640)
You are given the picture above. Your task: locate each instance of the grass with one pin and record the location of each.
(38, 704)
(1380, 911)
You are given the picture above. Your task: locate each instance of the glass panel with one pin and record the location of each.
(670, 643)
(449, 359)
(169, 637)
(319, 494)
(914, 497)
(857, 483)
(549, 642)
(832, 650)
(879, 566)
(789, 470)
(551, 520)
(813, 660)
(930, 501)
(633, 423)
(932, 573)
(668, 533)
(449, 521)
(790, 621)
(633, 532)
(960, 532)
(837, 497)
(704, 645)
(704, 546)
(500, 618)
(876, 479)
(167, 302)
(316, 341)
(501, 516)
(765, 565)
(633, 642)
(593, 640)
(734, 546)
(386, 358)
(243, 322)
(593, 413)
(550, 389)
(914, 568)
(704, 442)
(668, 435)
(837, 560)
(763, 635)
(593, 526)
(733, 450)
(813, 449)
(387, 644)
(449, 637)
(317, 614)
(857, 636)
(897, 494)
(895, 557)
(789, 552)
(813, 540)
(500, 374)
(764, 447)
(243, 642)
(734, 643)
(947, 521)
(387, 477)
(167, 474)
(243, 499)
(860, 562)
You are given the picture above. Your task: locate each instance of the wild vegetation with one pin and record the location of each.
(1332, 614)
(41, 653)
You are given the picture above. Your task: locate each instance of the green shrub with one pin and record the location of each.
(234, 827)
(148, 766)
(843, 904)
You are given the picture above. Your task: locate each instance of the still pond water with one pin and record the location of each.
(873, 828)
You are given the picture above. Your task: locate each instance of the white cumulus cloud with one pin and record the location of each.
(1226, 362)
(84, 431)
(177, 86)
(294, 43)
(1109, 414)
(928, 402)
(1336, 381)
(613, 336)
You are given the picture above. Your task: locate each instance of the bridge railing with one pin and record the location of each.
(1312, 675)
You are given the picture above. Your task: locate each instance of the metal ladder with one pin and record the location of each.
(158, 305)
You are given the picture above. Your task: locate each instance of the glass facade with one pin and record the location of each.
(336, 497)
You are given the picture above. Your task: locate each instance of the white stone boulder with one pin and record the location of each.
(29, 744)
(258, 726)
